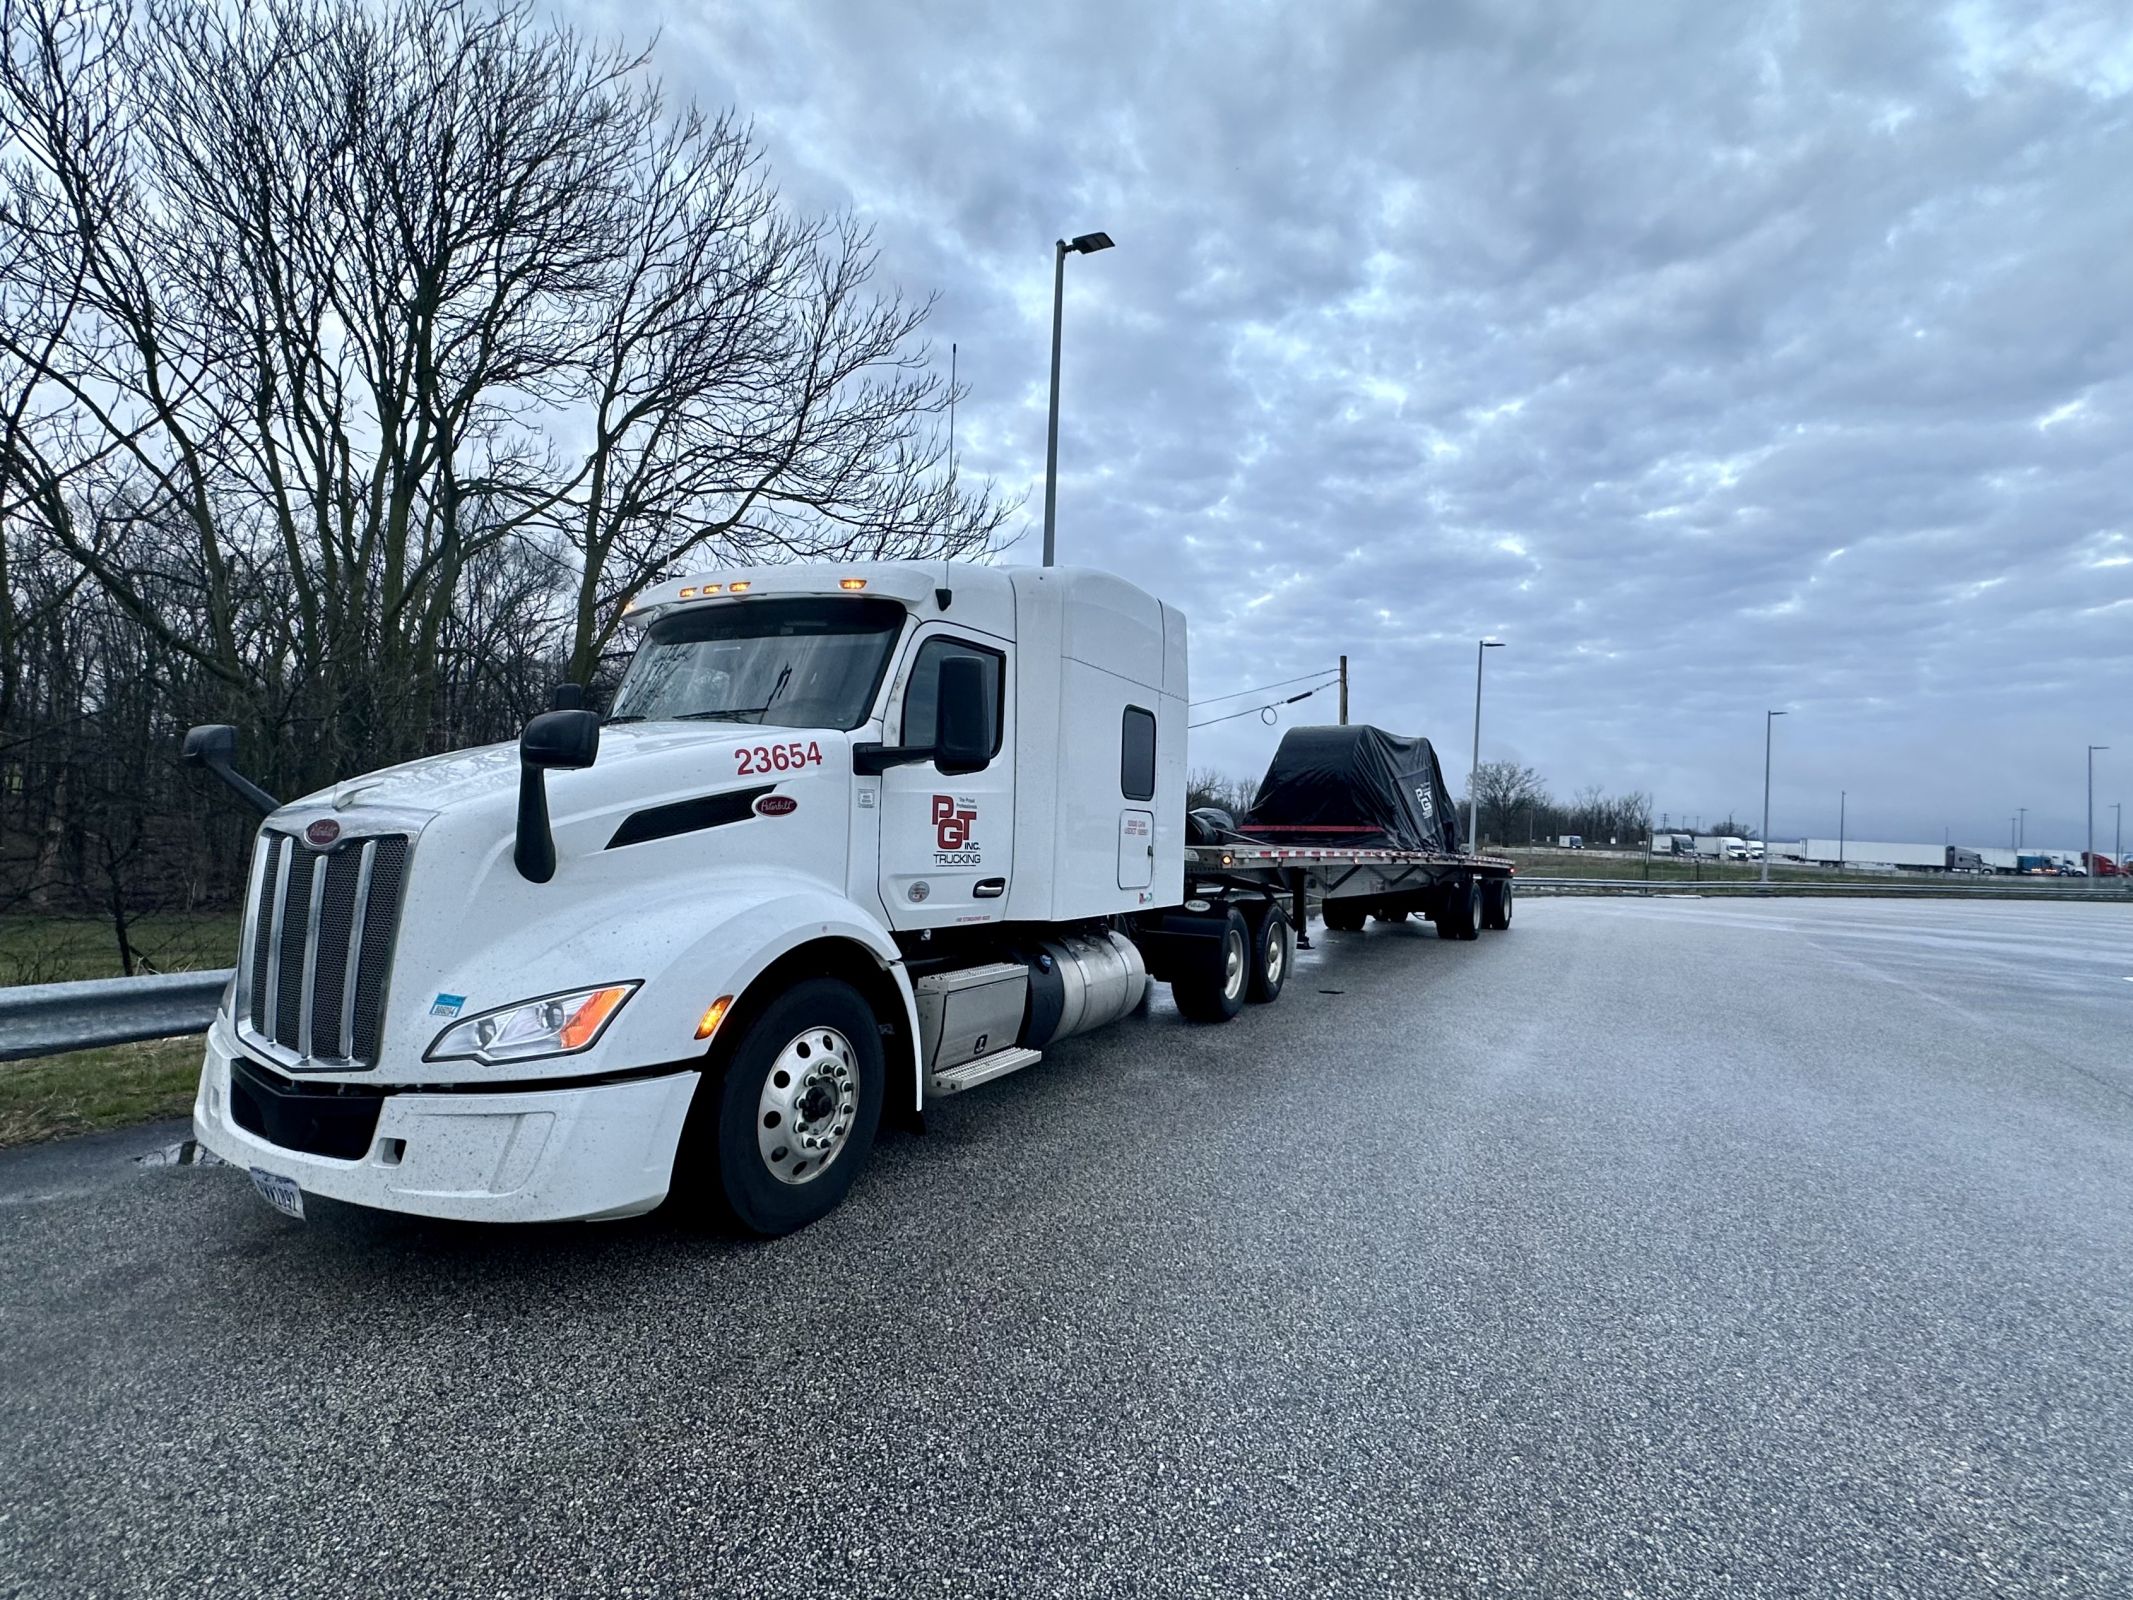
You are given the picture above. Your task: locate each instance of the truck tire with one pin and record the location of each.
(1496, 904)
(796, 1109)
(1460, 916)
(1273, 952)
(1217, 995)
(1342, 916)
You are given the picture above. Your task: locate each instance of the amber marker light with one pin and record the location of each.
(714, 1016)
(851, 583)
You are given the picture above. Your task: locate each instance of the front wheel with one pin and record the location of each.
(798, 1108)
(1216, 994)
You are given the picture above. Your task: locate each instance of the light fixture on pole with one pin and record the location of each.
(1086, 244)
(2088, 859)
(1473, 781)
(1769, 722)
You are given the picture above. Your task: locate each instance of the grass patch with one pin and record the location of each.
(61, 949)
(88, 1090)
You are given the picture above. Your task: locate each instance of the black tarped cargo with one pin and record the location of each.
(1356, 786)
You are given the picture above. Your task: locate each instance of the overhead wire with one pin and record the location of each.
(1261, 688)
(1271, 705)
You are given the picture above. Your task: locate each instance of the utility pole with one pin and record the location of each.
(2118, 843)
(1840, 830)
(1769, 722)
(1344, 690)
(2088, 861)
(2021, 826)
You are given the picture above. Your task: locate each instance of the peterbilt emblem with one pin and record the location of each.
(776, 805)
(322, 833)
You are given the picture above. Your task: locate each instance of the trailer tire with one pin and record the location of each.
(1216, 995)
(822, 1036)
(1342, 916)
(1461, 914)
(1496, 905)
(1273, 953)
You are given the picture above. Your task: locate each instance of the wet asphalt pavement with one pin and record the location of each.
(1655, 1248)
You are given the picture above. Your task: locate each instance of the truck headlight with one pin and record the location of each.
(554, 1025)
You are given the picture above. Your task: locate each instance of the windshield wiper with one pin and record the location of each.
(627, 716)
(723, 713)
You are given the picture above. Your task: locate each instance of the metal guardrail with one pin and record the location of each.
(45, 1019)
(48, 1019)
(1954, 889)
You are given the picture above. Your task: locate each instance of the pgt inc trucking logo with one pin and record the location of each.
(954, 822)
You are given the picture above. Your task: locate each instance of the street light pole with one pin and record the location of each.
(1840, 831)
(2088, 860)
(1084, 244)
(1769, 722)
(2021, 826)
(1473, 781)
(2118, 842)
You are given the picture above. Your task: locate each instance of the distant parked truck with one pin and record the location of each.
(1962, 860)
(1720, 845)
(2102, 865)
(1877, 853)
(1670, 844)
(1569, 841)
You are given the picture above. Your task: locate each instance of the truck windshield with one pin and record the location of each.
(787, 663)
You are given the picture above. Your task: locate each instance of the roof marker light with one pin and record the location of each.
(688, 594)
(851, 583)
(711, 588)
(737, 588)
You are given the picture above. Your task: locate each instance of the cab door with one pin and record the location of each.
(947, 843)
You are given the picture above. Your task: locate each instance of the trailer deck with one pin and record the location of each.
(1367, 880)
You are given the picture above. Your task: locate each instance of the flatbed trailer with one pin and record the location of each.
(1463, 894)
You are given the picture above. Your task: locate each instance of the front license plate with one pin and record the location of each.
(279, 1192)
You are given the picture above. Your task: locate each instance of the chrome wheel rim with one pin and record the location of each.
(809, 1102)
(1277, 952)
(1232, 966)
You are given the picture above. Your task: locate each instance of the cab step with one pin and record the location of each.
(954, 1080)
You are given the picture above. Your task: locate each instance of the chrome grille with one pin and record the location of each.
(318, 939)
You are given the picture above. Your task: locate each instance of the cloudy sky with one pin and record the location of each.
(1716, 357)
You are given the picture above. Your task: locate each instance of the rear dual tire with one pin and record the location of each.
(1216, 993)
(1460, 916)
(1496, 905)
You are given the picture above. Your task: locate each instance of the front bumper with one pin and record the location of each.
(532, 1155)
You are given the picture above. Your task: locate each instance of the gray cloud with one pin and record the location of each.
(1717, 357)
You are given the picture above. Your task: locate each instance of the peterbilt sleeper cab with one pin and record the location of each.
(828, 856)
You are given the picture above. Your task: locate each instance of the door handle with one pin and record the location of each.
(988, 889)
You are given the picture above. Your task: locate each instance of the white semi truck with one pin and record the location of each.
(852, 837)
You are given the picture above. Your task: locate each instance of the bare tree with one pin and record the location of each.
(1505, 790)
(338, 299)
